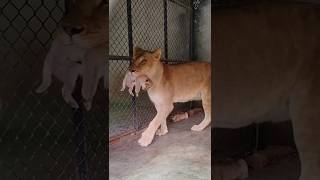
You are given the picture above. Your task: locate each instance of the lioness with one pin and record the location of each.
(267, 67)
(172, 83)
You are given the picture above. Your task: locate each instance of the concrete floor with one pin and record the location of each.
(179, 155)
(287, 169)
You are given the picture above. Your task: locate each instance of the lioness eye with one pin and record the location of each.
(143, 62)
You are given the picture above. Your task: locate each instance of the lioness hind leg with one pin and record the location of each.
(163, 129)
(206, 103)
(304, 112)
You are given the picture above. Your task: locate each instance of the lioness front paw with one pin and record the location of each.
(145, 140)
(196, 128)
(161, 132)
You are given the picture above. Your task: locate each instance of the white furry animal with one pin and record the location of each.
(61, 61)
(130, 81)
(79, 49)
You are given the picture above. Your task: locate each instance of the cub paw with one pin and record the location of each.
(196, 128)
(41, 89)
(161, 132)
(73, 104)
(87, 105)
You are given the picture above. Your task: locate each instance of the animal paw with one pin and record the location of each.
(145, 140)
(179, 117)
(41, 89)
(196, 128)
(161, 132)
(87, 105)
(73, 104)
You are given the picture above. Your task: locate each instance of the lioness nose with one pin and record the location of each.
(131, 69)
(72, 30)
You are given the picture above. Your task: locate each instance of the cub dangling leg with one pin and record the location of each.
(46, 74)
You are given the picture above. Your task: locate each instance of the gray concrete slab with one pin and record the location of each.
(179, 155)
(287, 169)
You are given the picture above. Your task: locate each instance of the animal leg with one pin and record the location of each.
(305, 114)
(89, 88)
(130, 89)
(162, 112)
(163, 129)
(46, 74)
(124, 82)
(137, 88)
(67, 96)
(206, 103)
(69, 84)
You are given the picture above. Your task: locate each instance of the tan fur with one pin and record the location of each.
(266, 60)
(172, 83)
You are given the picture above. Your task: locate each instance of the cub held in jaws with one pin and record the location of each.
(138, 83)
(170, 84)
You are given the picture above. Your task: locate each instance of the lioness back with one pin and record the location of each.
(172, 83)
(186, 81)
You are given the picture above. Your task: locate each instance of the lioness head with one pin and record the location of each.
(86, 24)
(145, 62)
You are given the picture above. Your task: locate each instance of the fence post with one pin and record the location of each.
(79, 135)
(79, 125)
(191, 55)
(136, 123)
(165, 16)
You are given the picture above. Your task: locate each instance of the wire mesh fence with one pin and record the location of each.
(39, 134)
(149, 24)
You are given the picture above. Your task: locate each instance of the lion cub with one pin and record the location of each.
(170, 84)
(130, 81)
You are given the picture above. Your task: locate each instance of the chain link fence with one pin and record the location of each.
(41, 137)
(149, 24)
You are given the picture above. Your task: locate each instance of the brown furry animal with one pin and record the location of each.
(172, 83)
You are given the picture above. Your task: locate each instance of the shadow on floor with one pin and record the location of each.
(179, 155)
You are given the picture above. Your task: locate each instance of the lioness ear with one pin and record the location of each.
(137, 51)
(100, 2)
(157, 53)
(88, 6)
